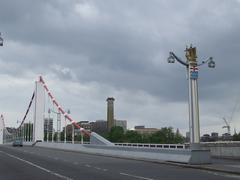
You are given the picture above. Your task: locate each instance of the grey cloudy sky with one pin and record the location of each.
(90, 50)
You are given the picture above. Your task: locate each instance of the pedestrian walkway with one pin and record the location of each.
(231, 166)
(226, 165)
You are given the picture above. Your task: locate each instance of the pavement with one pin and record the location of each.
(222, 165)
(42, 163)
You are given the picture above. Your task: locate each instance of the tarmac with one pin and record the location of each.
(223, 165)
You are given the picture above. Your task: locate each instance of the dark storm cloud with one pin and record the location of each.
(125, 43)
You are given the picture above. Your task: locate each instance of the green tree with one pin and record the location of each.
(179, 139)
(166, 136)
(132, 137)
(236, 137)
(116, 134)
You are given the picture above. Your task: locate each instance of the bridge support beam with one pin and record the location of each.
(1, 130)
(38, 127)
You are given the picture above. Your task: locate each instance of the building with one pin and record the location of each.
(142, 130)
(100, 126)
(214, 136)
(139, 127)
(48, 125)
(206, 138)
(121, 123)
(226, 137)
(110, 113)
(84, 124)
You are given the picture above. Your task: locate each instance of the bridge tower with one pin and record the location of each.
(38, 127)
(1, 130)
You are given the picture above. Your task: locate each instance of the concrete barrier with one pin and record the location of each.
(160, 155)
(223, 149)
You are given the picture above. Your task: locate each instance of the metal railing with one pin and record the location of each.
(69, 142)
(158, 146)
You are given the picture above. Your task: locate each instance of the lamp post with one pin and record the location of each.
(18, 130)
(53, 135)
(65, 131)
(49, 112)
(192, 68)
(58, 124)
(73, 129)
(58, 127)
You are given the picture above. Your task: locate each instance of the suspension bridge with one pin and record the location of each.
(34, 129)
(44, 155)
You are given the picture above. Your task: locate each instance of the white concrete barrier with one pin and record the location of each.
(224, 149)
(160, 155)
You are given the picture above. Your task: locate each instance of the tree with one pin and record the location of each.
(133, 137)
(116, 134)
(236, 137)
(166, 136)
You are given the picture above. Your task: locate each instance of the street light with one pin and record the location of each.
(65, 131)
(192, 67)
(58, 123)
(49, 112)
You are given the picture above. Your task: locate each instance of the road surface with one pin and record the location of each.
(35, 163)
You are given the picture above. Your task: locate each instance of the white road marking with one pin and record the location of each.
(224, 174)
(37, 166)
(98, 168)
(137, 177)
(233, 165)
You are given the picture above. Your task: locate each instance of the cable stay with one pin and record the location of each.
(60, 109)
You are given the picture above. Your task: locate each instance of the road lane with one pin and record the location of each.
(85, 166)
(13, 169)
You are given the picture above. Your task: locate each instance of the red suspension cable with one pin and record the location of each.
(66, 115)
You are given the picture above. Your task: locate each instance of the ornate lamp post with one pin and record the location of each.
(192, 68)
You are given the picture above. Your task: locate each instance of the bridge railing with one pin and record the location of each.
(159, 146)
(138, 145)
(70, 142)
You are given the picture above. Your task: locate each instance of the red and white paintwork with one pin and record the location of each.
(66, 115)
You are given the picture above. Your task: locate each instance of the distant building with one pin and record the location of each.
(214, 136)
(121, 123)
(226, 137)
(146, 130)
(48, 125)
(206, 138)
(110, 113)
(139, 127)
(100, 126)
(84, 124)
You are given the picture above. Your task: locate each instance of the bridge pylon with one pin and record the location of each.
(38, 127)
(1, 130)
